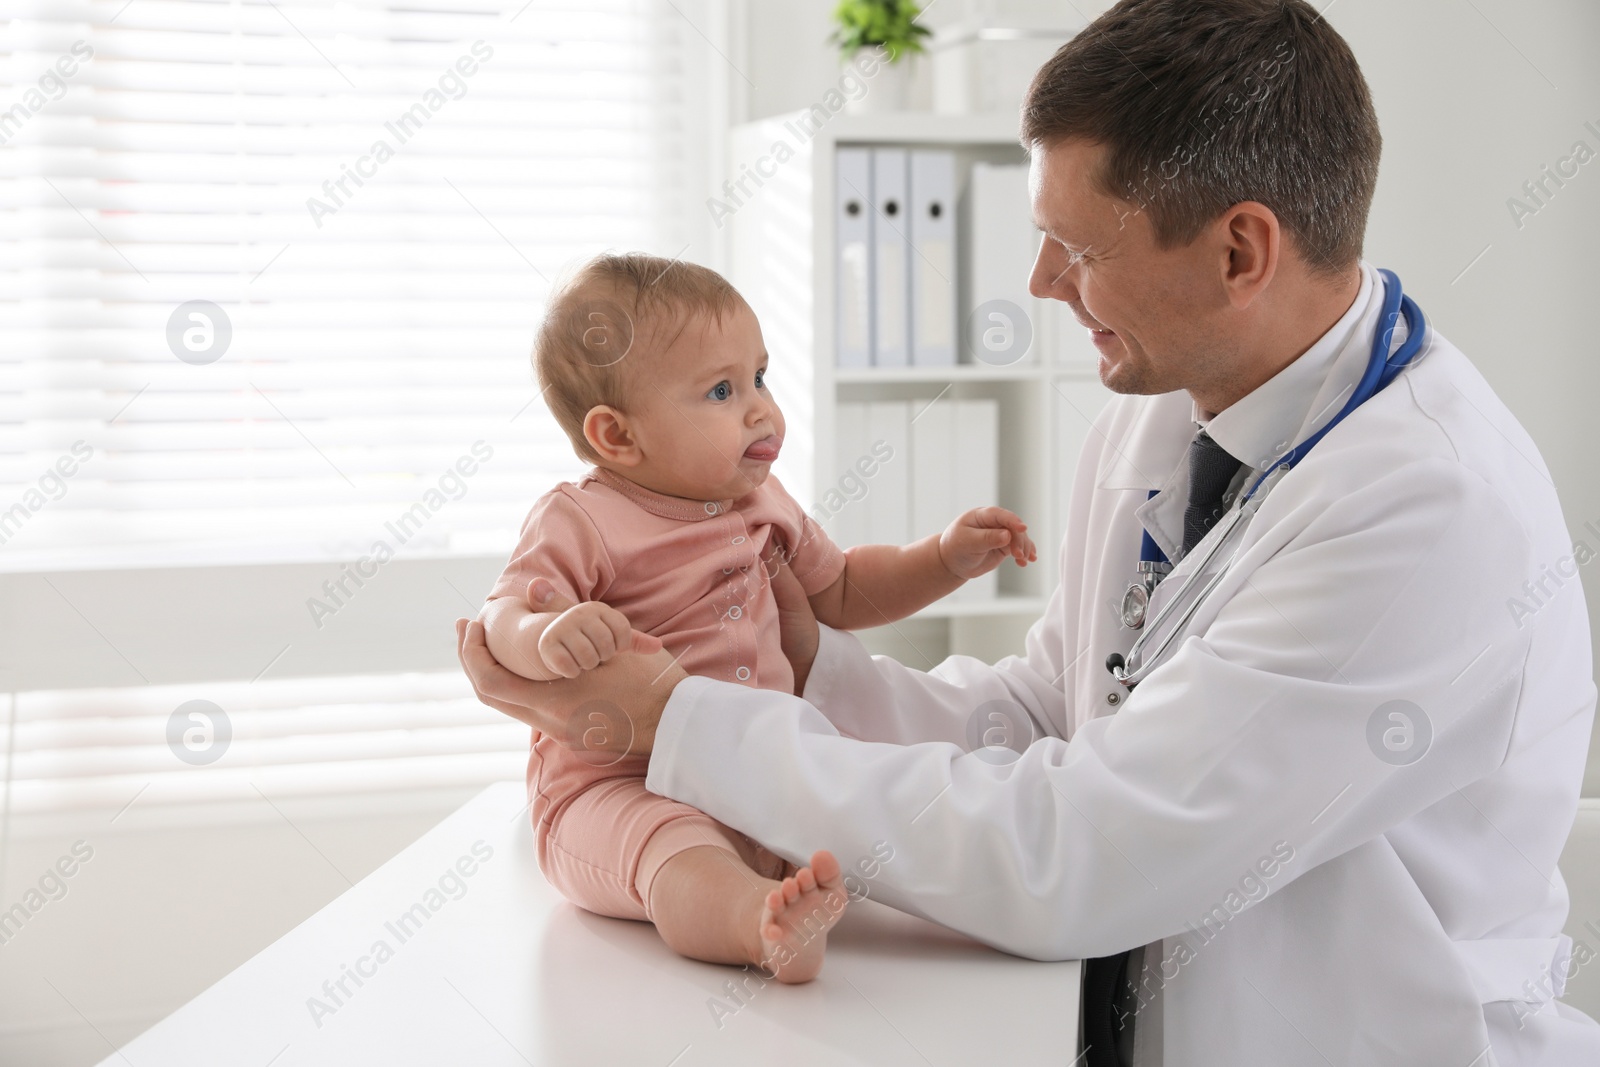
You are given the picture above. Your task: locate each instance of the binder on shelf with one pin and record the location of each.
(853, 251)
(891, 305)
(933, 466)
(1001, 246)
(933, 255)
(977, 475)
(888, 497)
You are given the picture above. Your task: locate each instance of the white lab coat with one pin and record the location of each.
(1301, 900)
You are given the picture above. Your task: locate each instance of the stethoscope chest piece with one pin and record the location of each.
(1136, 599)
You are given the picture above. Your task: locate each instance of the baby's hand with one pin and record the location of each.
(979, 540)
(586, 635)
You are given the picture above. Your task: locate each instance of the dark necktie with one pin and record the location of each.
(1211, 470)
(1103, 978)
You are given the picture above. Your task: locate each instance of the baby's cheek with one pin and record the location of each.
(731, 437)
(703, 442)
(722, 444)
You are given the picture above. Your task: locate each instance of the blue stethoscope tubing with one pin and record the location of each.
(1382, 368)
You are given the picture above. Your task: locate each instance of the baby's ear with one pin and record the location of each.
(606, 429)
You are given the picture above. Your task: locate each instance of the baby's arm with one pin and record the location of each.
(885, 583)
(545, 645)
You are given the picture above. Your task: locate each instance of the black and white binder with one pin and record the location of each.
(853, 257)
(891, 274)
(933, 258)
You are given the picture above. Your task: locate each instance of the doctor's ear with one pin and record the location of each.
(607, 431)
(1252, 241)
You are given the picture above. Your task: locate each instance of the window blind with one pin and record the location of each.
(270, 269)
(239, 743)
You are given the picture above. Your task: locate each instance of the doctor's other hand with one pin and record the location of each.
(636, 685)
(980, 540)
(797, 623)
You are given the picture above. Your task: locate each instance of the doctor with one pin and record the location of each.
(1321, 825)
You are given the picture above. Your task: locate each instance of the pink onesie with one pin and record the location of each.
(690, 573)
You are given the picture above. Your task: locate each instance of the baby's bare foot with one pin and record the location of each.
(799, 913)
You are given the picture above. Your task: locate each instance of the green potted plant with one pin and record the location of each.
(888, 28)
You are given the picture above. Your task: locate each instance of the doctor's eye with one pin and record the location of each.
(721, 391)
(1074, 256)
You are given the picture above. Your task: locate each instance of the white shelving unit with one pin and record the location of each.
(779, 253)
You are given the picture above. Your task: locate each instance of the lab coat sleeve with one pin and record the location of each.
(963, 700)
(1248, 752)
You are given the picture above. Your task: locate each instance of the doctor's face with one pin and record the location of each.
(1154, 315)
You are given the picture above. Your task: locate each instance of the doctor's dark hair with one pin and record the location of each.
(1203, 104)
(606, 321)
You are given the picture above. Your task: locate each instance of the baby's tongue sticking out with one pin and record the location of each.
(764, 450)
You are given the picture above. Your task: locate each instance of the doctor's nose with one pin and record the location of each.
(1051, 279)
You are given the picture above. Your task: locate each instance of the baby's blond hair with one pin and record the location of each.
(613, 310)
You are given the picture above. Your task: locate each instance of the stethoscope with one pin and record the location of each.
(1153, 564)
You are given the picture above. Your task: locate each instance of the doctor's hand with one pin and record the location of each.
(980, 540)
(629, 692)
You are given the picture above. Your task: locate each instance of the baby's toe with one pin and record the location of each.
(825, 868)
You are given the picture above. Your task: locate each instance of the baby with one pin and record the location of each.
(656, 370)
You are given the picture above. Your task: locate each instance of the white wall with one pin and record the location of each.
(786, 55)
(1473, 100)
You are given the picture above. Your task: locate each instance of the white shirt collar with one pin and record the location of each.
(1261, 426)
(1264, 424)
(1152, 445)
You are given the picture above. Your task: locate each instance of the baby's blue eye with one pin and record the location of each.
(761, 379)
(720, 391)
